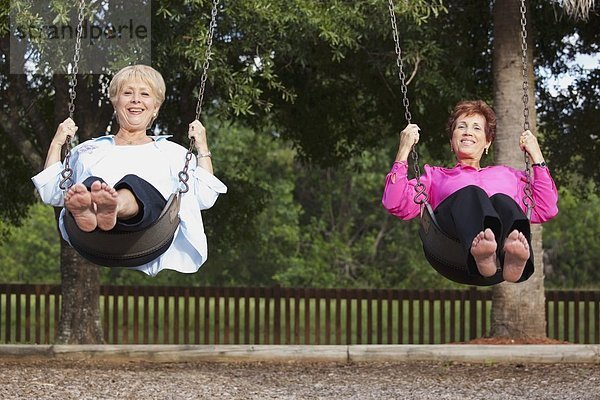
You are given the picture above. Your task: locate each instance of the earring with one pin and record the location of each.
(152, 121)
(486, 150)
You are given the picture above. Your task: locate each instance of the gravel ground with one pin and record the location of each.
(83, 380)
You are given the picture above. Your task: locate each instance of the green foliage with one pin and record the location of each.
(569, 119)
(348, 239)
(255, 229)
(30, 253)
(316, 82)
(16, 190)
(280, 222)
(4, 16)
(288, 223)
(571, 239)
(571, 137)
(297, 65)
(252, 230)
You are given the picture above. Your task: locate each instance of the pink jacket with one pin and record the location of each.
(442, 182)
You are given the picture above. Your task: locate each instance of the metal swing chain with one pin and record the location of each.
(528, 199)
(67, 173)
(420, 189)
(207, 55)
(183, 175)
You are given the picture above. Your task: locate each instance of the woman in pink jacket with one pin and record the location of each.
(481, 207)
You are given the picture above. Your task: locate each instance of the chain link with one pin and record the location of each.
(528, 198)
(207, 56)
(76, 55)
(420, 189)
(183, 174)
(67, 172)
(524, 63)
(399, 61)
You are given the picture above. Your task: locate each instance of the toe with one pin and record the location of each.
(97, 185)
(514, 235)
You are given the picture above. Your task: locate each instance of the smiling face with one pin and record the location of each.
(469, 138)
(135, 105)
(136, 92)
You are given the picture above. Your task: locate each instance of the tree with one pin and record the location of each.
(244, 85)
(518, 310)
(320, 74)
(569, 125)
(347, 239)
(566, 265)
(30, 252)
(32, 107)
(579, 9)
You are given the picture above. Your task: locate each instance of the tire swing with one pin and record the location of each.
(130, 249)
(444, 252)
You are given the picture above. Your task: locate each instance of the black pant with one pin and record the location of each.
(149, 199)
(469, 211)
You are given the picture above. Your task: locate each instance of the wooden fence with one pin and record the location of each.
(209, 315)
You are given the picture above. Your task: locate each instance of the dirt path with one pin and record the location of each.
(87, 380)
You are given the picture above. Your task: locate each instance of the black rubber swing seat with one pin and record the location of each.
(126, 249)
(446, 254)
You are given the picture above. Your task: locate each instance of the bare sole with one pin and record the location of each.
(483, 250)
(106, 200)
(516, 251)
(78, 201)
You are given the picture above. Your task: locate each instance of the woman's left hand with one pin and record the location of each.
(198, 132)
(529, 143)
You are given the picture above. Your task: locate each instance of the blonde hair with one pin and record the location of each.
(146, 74)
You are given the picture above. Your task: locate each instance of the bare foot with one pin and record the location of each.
(516, 249)
(79, 203)
(106, 199)
(483, 250)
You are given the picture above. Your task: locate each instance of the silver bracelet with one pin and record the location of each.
(202, 155)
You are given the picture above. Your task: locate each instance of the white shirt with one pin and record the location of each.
(159, 163)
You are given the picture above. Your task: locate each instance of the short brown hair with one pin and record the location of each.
(470, 107)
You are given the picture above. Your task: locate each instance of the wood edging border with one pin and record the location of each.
(553, 354)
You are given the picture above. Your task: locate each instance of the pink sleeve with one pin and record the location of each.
(399, 192)
(545, 196)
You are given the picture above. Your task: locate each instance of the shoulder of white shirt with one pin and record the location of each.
(103, 142)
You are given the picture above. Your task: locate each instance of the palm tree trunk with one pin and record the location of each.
(518, 310)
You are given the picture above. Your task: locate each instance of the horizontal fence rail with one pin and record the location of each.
(240, 315)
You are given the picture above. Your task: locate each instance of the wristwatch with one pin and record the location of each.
(542, 164)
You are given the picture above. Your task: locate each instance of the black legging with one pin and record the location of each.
(149, 199)
(469, 211)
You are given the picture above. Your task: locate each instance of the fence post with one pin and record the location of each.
(473, 294)
(571, 315)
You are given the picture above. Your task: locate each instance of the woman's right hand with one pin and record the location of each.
(408, 138)
(65, 128)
